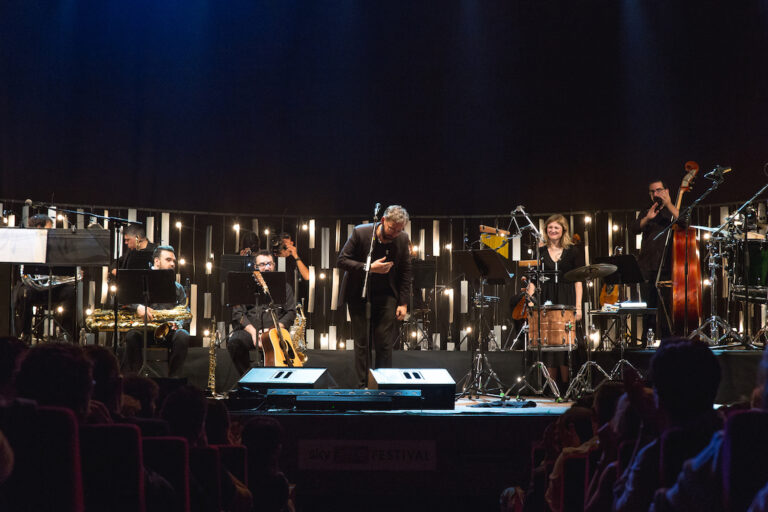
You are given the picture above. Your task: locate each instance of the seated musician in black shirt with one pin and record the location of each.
(252, 320)
(177, 338)
(135, 238)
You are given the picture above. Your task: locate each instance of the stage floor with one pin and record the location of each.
(739, 367)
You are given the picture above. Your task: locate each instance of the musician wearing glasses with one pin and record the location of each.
(177, 338)
(650, 223)
(252, 320)
(389, 285)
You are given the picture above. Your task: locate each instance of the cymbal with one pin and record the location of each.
(590, 272)
(707, 228)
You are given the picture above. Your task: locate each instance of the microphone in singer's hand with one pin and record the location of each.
(659, 203)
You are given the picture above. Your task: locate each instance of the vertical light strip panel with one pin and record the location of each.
(310, 339)
(207, 303)
(422, 243)
(436, 238)
(332, 338)
(586, 244)
(325, 248)
(80, 218)
(516, 248)
(335, 290)
(150, 228)
(311, 298)
(338, 235)
(311, 233)
(610, 233)
(106, 221)
(104, 284)
(464, 296)
(165, 228)
(132, 214)
(193, 309)
(208, 242)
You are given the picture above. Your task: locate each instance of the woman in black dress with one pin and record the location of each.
(558, 254)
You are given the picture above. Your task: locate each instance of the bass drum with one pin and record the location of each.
(750, 266)
(558, 327)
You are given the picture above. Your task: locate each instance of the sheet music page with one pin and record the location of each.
(19, 245)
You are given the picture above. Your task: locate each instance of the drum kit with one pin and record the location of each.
(744, 263)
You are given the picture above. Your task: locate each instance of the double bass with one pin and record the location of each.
(686, 266)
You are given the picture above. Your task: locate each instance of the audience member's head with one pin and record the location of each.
(575, 427)
(11, 353)
(56, 374)
(217, 422)
(107, 382)
(185, 410)
(626, 421)
(606, 397)
(685, 375)
(145, 390)
(263, 436)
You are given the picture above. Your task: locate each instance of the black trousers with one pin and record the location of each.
(382, 333)
(178, 341)
(239, 346)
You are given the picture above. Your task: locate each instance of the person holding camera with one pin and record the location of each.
(284, 247)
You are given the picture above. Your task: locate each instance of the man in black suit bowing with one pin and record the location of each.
(389, 285)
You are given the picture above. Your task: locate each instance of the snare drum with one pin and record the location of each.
(558, 327)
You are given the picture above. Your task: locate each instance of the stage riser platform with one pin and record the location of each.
(739, 367)
(406, 461)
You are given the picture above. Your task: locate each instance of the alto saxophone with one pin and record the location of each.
(298, 334)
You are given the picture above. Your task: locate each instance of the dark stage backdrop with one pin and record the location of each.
(325, 107)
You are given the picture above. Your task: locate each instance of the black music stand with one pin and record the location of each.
(235, 263)
(424, 277)
(627, 272)
(145, 287)
(486, 266)
(242, 288)
(141, 259)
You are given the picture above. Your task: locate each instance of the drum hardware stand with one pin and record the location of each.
(521, 334)
(714, 321)
(538, 368)
(486, 266)
(582, 383)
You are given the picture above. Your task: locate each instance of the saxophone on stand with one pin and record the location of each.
(298, 333)
(213, 345)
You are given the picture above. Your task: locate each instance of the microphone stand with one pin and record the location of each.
(366, 294)
(538, 366)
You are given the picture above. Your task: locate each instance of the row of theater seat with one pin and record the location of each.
(60, 466)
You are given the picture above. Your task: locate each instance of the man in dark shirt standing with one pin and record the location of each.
(389, 285)
(650, 223)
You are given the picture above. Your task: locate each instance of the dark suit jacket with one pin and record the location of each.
(352, 259)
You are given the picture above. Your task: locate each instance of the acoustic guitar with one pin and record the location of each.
(277, 344)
